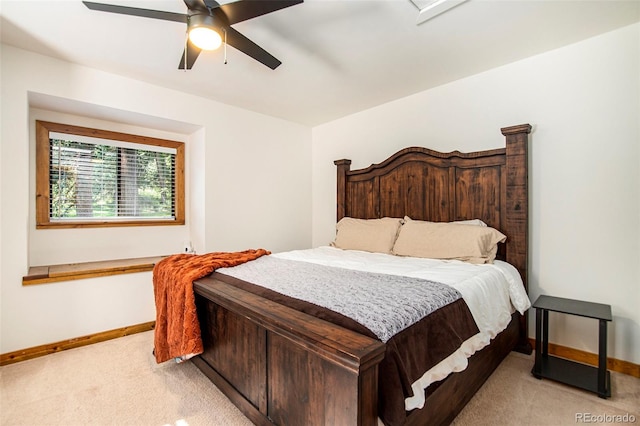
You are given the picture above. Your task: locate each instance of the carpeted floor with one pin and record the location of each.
(118, 383)
(512, 396)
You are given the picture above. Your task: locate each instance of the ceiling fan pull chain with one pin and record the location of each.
(225, 45)
(186, 39)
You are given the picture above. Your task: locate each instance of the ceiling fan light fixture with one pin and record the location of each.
(202, 32)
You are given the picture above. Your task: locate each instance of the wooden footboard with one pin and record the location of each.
(281, 366)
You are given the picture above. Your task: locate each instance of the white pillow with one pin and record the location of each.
(476, 222)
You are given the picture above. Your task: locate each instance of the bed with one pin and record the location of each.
(281, 365)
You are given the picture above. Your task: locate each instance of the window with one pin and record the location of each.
(95, 178)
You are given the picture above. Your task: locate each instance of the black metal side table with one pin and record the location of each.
(583, 376)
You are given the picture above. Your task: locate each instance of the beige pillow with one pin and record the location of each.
(439, 240)
(374, 235)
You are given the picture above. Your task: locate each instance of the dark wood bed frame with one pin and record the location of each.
(281, 366)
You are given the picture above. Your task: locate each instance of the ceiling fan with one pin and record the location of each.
(208, 23)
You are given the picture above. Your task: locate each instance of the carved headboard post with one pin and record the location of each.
(517, 224)
(343, 167)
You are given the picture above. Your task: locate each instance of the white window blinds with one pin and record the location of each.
(97, 179)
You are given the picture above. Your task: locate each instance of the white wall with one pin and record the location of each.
(242, 169)
(583, 102)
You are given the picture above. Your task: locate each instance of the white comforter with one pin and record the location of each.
(492, 293)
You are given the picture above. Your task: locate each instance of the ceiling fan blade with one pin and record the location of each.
(192, 53)
(246, 9)
(197, 5)
(211, 4)
(243, 44)
(134, 11)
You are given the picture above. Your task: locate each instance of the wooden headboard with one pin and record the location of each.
(441, 187)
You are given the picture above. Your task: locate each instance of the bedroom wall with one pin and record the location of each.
(583, 101)
(242, 168)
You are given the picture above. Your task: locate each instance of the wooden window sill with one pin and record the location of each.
(77, 271)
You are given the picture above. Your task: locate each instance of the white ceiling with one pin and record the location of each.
(339, 56)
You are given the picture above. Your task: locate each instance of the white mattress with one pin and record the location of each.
(492, 292)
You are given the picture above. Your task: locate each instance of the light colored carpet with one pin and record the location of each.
(118, 383)
(512, 396)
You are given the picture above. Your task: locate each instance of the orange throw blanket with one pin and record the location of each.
(177, 331)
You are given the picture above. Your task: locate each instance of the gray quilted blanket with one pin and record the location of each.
(385, 304)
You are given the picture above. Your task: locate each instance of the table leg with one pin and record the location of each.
(545, 333)
(602, 360)
(537, 366)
